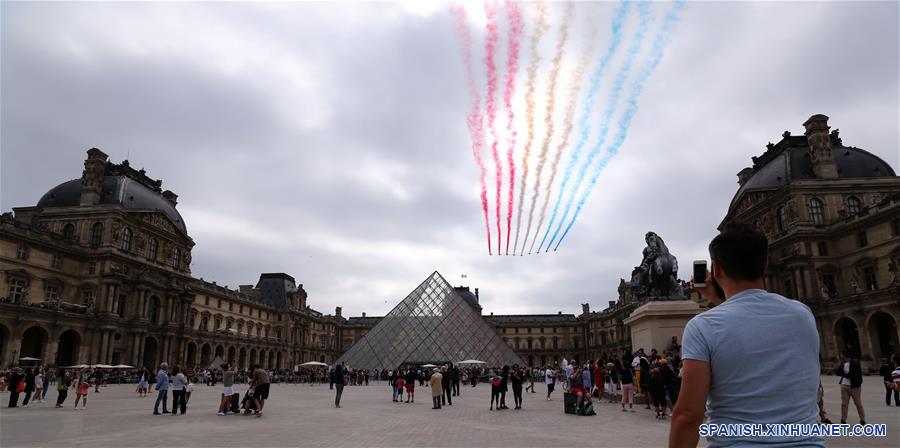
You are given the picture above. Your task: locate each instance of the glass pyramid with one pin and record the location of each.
(432, 325)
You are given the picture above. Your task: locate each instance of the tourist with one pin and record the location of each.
(259, 382)
(779, 380)
(454, 379)
(895, 375)
(338, 384)
(668, 379)
(400, 383)
(82, 388)
(410, 385)
(504, 386)
(549, 380)
(392, 381)
(626, 379)
(227, 390)
(63, 382)
(851, 386)
(98, 378)
(473, 376)
(436, 389)
(657, 392)
(495, 390)
(586, 378)
(576, 387)
(179, 386)
(143, 386)
(644, 374)
(39, 378)
(162, 387)
(612, 380)
(887, 368)
(29, 387)
(15, 381)
(445, 384)
(517, 377)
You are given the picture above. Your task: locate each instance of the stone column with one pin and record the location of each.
(141, 341)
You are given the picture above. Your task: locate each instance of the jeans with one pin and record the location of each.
(887, 396)
(447, 396)
(337, 395)
(161, 398)
(28, 393)
(62, 396)
(846, 394)
(395, 390)
(179, 401)
(455, 388)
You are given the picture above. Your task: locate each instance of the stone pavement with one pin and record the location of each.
(303, 415)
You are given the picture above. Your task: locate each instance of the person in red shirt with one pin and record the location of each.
(400, 383)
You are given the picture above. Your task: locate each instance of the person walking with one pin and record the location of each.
(454, 379)
(851, 386)
(15, 378)
(38, 396)
(143, 386)
(517, 377)
(626, 379)
(227, 390)
(162, 387)
(82, 388)
(29, 387)
(338, 384)
(411, 385)
(179, 389)
(718, 382)
(259, 381)
(63, 382)
(437, 389)
(445, 384)
(549, 380)
(887, 368)
(612, 380)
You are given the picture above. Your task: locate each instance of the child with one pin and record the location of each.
(495, 390)
(82, 383)
(658, 392)
(400, 383)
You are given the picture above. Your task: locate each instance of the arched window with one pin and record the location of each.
(153, 250)
(781, 219)
(126, 239)
(96, 234)
(176, 259)
(815, 212)
(69, 232)
(853, 205)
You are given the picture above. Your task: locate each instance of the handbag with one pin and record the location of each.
(20, 387)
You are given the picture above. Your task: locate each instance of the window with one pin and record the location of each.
(895, 225)
(126, 239)
(242, 309)
(823, 248)
(51, 292)
(815, 212)
(862, 239)
(218, 323)
(96, 234)
(193, 319)
(57, 261)
(153, 250)
(87, 298)
(154, 309)
(853, 205)
(258, 331)
(17, 290)
(240, 328)
(871, 281)
(92, 267)
(120, 306)
(781, 219)
(206, 301)
(204, 324)
(176, 259)
(69, 232)
(22, 253)
(231, 306)
(789, 289)
(219, 304)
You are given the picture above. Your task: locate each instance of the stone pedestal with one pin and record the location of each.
(654, 323)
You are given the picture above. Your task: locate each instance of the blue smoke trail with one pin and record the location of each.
(614, 94)
(617, 23)
(656, 54)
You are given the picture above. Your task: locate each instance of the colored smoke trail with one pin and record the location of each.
(550, 108)
(540, 27)
(653, 59)
(490, 49)
(514, 18)
(617, 23)
(474, 119)
(612, 102)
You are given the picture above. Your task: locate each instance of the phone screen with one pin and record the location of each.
(700, 273)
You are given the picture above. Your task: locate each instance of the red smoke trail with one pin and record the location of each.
(490, 49)
(514, 17)
(474, 119)
(540, 27)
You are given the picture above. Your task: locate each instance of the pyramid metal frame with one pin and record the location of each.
(433, 324)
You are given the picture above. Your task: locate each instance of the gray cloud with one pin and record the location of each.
(329, 141)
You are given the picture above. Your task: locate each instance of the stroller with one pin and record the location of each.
(248, 404)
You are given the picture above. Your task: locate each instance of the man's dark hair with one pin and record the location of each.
(742, 252)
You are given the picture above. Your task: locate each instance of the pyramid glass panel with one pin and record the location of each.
(433, 324)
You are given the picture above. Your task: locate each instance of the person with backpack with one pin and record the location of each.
(851, 386)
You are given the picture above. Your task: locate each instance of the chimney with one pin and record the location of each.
(364, 314)
(171, 197)
(337, 311)
(476, 295)
(92, 177)
(743, 175)
(819, 141)
(559, 313)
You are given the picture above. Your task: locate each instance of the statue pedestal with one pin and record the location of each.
(654, 323)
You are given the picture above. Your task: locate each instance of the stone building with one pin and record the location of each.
(99, 272)
(831, 213)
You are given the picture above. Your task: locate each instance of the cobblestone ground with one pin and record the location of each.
(301, 415)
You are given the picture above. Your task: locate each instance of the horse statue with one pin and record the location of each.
(658, 272)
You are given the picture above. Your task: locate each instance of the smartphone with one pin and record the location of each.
(700, 273)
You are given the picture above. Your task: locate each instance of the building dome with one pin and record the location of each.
(790, 161)
(117, 189)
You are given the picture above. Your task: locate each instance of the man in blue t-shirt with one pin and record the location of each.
(753, 358)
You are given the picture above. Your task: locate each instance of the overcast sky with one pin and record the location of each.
(329, 141)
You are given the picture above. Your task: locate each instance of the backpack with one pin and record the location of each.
(589, 409)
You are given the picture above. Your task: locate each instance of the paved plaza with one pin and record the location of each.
(303, 415)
